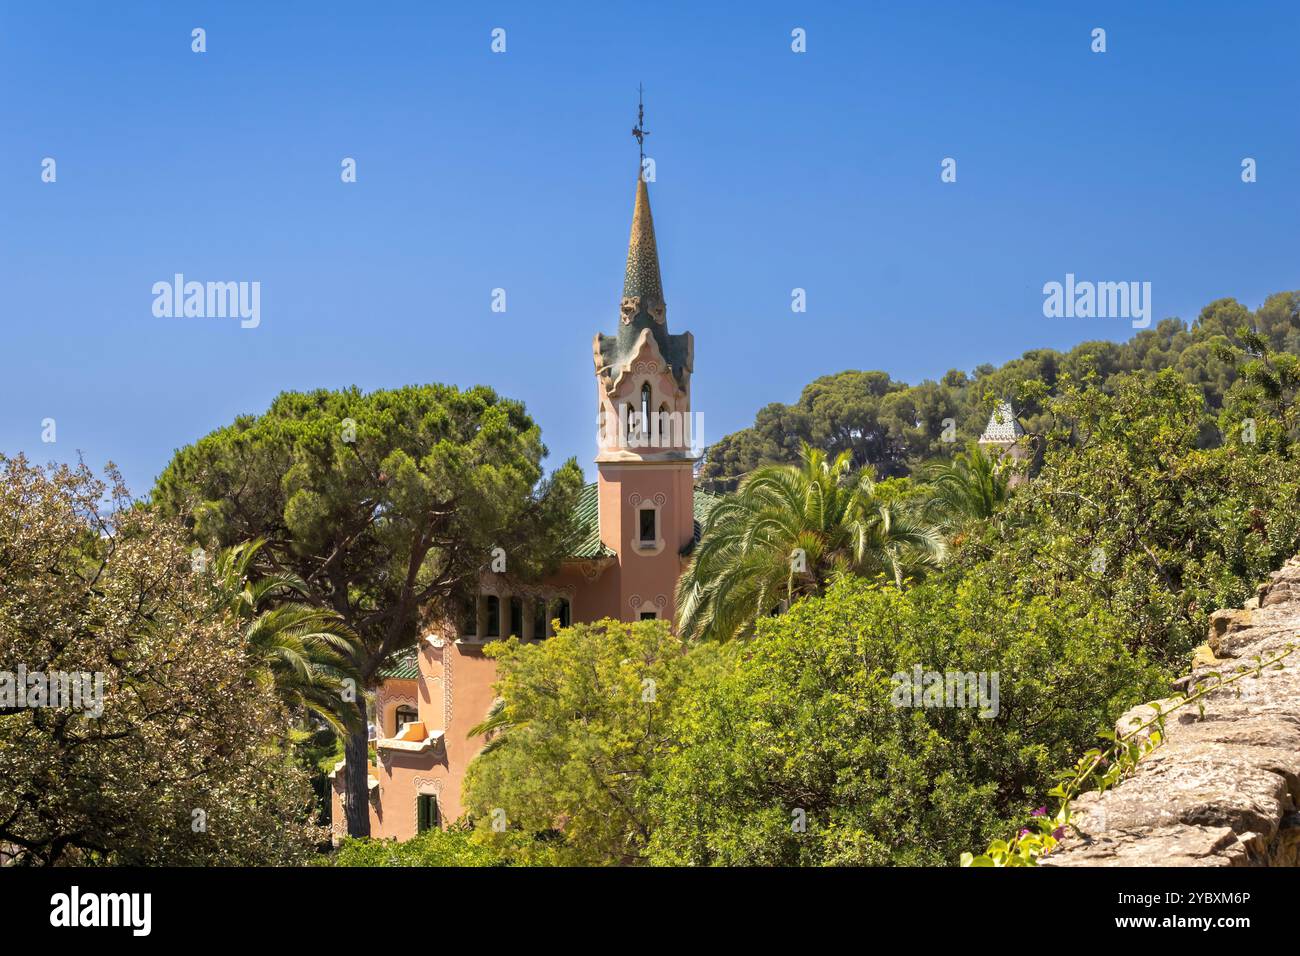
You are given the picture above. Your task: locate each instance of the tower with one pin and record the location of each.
(645, 461)
(1005, 438)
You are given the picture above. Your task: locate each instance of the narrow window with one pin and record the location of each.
(539, 619)
(469, 618)
(494, 616)
(516, 617)
(645, 409)
(648, 535)
(562, 612)
(428, 812)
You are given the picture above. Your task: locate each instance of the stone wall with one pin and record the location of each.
(1224, 787)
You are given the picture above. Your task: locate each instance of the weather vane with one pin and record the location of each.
(639, 130)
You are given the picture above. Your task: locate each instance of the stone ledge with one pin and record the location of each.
(1224, 787)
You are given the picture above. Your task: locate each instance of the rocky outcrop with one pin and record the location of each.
(1224, 786)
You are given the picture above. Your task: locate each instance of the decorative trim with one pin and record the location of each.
(639, 503)
(442, 654)
(382, 704)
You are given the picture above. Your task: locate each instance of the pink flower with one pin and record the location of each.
(1040, 812)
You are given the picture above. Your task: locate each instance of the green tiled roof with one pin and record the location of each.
(704, 502)
(587, 515)
(401, 668)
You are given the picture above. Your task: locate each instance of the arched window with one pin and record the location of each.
(494, 616)
(645, 409)
(562, 612)
(404, 714)
(516, 617)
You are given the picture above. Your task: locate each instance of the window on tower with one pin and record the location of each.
(645, 408)
(649, 531)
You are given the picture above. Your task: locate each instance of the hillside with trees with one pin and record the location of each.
(895, 428)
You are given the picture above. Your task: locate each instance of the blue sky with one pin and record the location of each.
(476, 170)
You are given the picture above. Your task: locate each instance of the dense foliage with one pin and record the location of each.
(587, 725)
(1132, 514)
(385, 505)
(451, 847)
(186, 763)
(795, 751)
(895, 428)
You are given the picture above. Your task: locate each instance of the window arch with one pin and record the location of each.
(404, 714)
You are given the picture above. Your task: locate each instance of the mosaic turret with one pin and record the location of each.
(643, 309)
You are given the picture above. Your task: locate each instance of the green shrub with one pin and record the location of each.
(801, 723)
(453, 847)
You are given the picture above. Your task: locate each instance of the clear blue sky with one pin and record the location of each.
(774, 171)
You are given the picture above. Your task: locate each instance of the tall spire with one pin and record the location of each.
(642, 279)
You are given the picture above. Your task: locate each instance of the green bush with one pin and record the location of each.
(802, 721)
(453, 847)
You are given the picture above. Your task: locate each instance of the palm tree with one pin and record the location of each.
(495, 725)
(785, 533)
(970, 487)
(305, 652)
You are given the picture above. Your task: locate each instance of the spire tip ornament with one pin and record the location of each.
(639, 130)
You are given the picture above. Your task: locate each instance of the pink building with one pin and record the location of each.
(642, 516)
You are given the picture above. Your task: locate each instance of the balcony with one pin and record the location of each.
(412, 737)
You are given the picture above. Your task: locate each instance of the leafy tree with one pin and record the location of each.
(186, 763)
(306, 652)
(386, 505)
(793, 749)
(784, 534)
(588, 714)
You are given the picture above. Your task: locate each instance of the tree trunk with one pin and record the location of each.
(356, 751)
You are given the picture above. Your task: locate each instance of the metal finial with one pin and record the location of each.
(639, 130)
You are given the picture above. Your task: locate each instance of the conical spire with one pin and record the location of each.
(642, 280)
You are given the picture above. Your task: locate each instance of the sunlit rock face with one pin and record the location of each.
(1224, 787)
